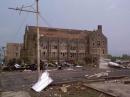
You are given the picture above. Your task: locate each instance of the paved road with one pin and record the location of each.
(24, 80)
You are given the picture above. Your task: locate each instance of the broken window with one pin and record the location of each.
(43, 54)
(55, 47)
(93, 44)
(103, 51)
(16, 54)
(54, 54)
(98, 43)
(103, 42)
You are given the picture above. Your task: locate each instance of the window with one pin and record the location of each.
(103, 42)
(73, 47)
(44, 47)
(55, 47)
(98, 43)
(93, 44)
(98, 34)
(54, 54)
(16, 54)
(71, 55)
(103, 51)
(63, 54)
(63, 46)
(44, 54)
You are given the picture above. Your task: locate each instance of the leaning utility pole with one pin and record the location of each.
(37, 29)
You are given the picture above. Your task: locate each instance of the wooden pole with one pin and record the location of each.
(38, 37)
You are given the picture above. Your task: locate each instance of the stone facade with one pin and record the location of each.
(63, 44)
(13, 51)
(98, 43)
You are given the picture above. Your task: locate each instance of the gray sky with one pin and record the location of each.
(114, 15)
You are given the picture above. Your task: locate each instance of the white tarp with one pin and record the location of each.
(43, 82)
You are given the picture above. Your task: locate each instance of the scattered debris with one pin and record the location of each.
(51, 69)
(127, 82)
(101, 74)
(86, 75)
(70, 69)
(17, 66)
(27, 70)
(43, 82)
(82, 88)
(108, 71)
(64, 88)
(79, 66)
(57, 95)
(59, 67)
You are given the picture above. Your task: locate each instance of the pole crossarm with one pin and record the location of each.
(23, 10)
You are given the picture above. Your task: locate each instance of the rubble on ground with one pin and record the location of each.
(67, 82)
(98, 75)
(64, 88)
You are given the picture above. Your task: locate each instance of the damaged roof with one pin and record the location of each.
(61, 33)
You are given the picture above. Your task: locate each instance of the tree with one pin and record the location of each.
(125, 57)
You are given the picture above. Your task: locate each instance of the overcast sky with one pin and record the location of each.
(114, 15)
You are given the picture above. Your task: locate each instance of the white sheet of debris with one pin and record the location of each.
(43, 82)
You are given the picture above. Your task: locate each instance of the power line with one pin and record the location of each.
(21, 25)
(48, 24)
(25, 18)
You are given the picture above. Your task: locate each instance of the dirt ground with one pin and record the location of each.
(68, 90)
(23, 81)
(64, 90)
(20, 81)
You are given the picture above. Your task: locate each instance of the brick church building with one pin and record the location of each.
(63, 44)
